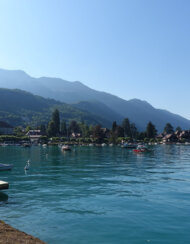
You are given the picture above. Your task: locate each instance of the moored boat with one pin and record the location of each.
(129, 145)
(5, 167)
(26, 145)
(142, 149)
(66, 148)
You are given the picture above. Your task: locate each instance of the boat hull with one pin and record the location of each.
(5, 167)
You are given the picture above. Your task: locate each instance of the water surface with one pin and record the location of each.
(99, 195)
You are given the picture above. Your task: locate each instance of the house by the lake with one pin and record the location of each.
(34, 135)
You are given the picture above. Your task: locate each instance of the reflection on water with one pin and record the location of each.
(3, 198)
(99, 195)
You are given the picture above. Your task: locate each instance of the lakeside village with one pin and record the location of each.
(75, 133)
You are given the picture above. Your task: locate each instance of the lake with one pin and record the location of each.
(99, 194)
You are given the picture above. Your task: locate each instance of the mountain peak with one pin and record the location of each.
(18, 72)
(140, 102)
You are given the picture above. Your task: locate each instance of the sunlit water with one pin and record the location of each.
(99, 195)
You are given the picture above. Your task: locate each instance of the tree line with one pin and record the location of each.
(128, 130)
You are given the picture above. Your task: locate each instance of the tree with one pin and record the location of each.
(126, 127)
(141, 136)
(114, 126)
(51, 130)
(28, 128)
(63, 128)
(98, 134)
(43, 129)
(168, 129)
(178, 128)
(74, 127)
(18, 131)
(84, 129)
(151, 131)
(119, 131)
(56, 120)
(133, 130)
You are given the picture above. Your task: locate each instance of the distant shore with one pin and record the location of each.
(10, 235)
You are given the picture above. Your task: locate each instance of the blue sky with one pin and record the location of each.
(133, 49)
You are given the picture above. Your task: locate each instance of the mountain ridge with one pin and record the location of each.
(19, 107)
(138, 111)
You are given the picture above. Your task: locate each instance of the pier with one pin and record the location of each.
(4, 185)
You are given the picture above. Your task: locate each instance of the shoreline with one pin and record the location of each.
(10, 235)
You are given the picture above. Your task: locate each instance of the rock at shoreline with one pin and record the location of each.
(9, 235)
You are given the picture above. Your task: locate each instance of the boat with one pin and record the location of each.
(104, 144)
(66, 148)
(129, 145)
(4, 185)
(26, 145)
(5, 167)
(142, 149)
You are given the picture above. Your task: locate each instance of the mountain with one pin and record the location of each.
(19, 107)
(102, 104)
(100, 109)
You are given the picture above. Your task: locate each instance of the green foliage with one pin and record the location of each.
(74, 127)
(119, 131)
(141, 136)
(134, 131)
(55, 139)
(28, 128)
(13, 138)
(43, 129)
(151, 131)
(18, 131)
(56, 120)
(178, 128)
(84, 129)
(168, 129)
(98, 134)
(63, 128)
(114, 126)
(51, 130)
(126, 127)
(20, 108)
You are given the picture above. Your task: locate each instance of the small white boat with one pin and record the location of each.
(66, 148)
(4, 167)
(26, 145)
(104, 144)
(4, 185)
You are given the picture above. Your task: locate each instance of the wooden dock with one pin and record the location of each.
(4, 185)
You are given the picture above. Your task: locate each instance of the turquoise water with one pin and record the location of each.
(99, 195)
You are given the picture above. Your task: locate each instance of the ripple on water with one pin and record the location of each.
(99, 195)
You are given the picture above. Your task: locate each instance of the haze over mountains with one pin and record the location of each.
(104, 106)
(19, 107)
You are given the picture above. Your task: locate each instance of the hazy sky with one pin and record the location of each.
(134, 49)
